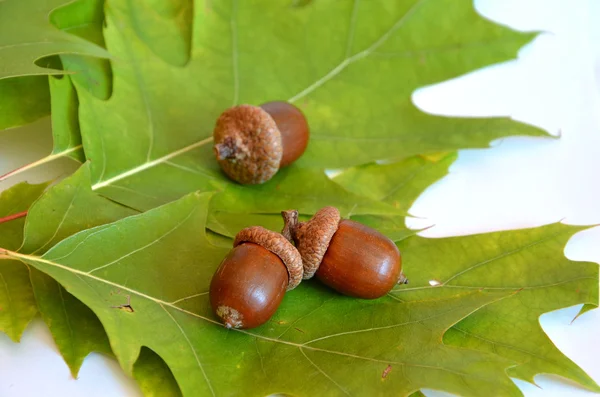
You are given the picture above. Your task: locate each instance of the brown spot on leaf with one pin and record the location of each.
(126, 307)
(386, 372)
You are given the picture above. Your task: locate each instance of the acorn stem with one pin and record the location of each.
(402, 279)
(290, 223)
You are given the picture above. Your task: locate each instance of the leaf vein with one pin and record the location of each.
(174, 228)
(191, 348)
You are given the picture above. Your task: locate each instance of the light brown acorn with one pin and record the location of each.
(251, 143)
(250, 283)
(345, 255)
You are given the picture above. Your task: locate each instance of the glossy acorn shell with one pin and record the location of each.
(250, 283)
(293, 128)
(360, 262)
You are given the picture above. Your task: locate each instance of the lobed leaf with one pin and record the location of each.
(156, 275)
(17, 303)
(352, 77)
(529, 261)
(23, 100)
(21, 48)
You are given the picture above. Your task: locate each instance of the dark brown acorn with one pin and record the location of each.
(347, 256)
(251, 143)
(293, 128)
(250, 283)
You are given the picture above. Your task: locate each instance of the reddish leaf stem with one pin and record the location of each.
(12, 217)
(15, 171)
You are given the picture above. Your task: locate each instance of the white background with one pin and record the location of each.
(519, 182)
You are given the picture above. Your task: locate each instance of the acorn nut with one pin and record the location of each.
(345, 255)
(251, 143)
(249, 284)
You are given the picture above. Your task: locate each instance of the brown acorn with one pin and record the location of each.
(347, 256)
(250, 283)
(251, 143)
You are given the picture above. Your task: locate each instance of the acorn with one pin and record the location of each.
(345, 255)
(250, 283)
(251, 143)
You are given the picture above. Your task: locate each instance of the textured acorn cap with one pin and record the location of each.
(312, 238)
(248, 144)
(278, 245)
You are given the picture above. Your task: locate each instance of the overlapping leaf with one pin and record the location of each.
(398, 184)
(21, 48)
(17, 303)
(65, 210)
(23, 100)
(350, 66)
(61, 212)
(154, 376)
(530, 261)
(26, 98)
(156, 274)
(65, 126)
(84, 18)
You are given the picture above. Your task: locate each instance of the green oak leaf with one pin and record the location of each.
(497, 254)
(26, 98)
(396, 183)
(530, 261)
(65, 124)
(74, 327)
(17, 303)
(64, 210)
(351, 66)
(307, 190)
(22, 44)
(84, 18)
(23, 100)
(150, 288)
(153, 376)
(165, 26)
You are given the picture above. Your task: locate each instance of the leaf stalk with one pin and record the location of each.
(39, 162)
(12, 217)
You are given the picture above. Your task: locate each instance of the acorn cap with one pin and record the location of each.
(278, 245)
(248, 144)
(312, 238)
